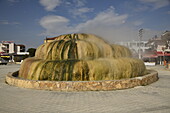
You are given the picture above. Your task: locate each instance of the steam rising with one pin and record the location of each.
(80, 57)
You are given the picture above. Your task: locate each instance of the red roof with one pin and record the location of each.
(51, 38)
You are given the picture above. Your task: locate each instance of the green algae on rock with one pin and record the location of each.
(81, 57)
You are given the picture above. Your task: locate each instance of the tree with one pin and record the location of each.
(31, 52)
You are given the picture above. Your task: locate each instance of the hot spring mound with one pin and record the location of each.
(81, 62)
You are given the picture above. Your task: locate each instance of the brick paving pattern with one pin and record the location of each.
(154, 98)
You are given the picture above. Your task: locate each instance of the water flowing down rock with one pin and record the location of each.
(81, 57)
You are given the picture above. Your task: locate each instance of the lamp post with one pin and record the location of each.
(168, 44)
(163, 51)
(140, 38)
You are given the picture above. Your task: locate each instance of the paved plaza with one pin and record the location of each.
(154, 98)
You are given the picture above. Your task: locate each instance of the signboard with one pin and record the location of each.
(5, 56)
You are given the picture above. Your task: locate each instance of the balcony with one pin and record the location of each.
(5, 48)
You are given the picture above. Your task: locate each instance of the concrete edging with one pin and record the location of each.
(105, 85)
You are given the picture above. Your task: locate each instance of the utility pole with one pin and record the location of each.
(140, 38)
(168, 43)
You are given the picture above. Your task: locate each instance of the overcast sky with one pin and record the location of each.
(29, 22)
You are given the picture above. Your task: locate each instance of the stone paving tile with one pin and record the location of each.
(154, 98)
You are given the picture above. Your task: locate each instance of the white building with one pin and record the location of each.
(134, 46)
(8, 49)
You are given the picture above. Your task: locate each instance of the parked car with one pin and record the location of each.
(3, 62)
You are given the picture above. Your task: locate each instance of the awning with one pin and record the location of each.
(150, 56)
(160, 53)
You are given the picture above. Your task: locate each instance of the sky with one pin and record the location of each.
(29, 22)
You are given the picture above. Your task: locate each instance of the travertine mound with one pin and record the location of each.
(81, 57)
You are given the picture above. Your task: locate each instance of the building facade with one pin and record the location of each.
(7, 47)
(135, 46)
(156, 49)
(9, 50)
